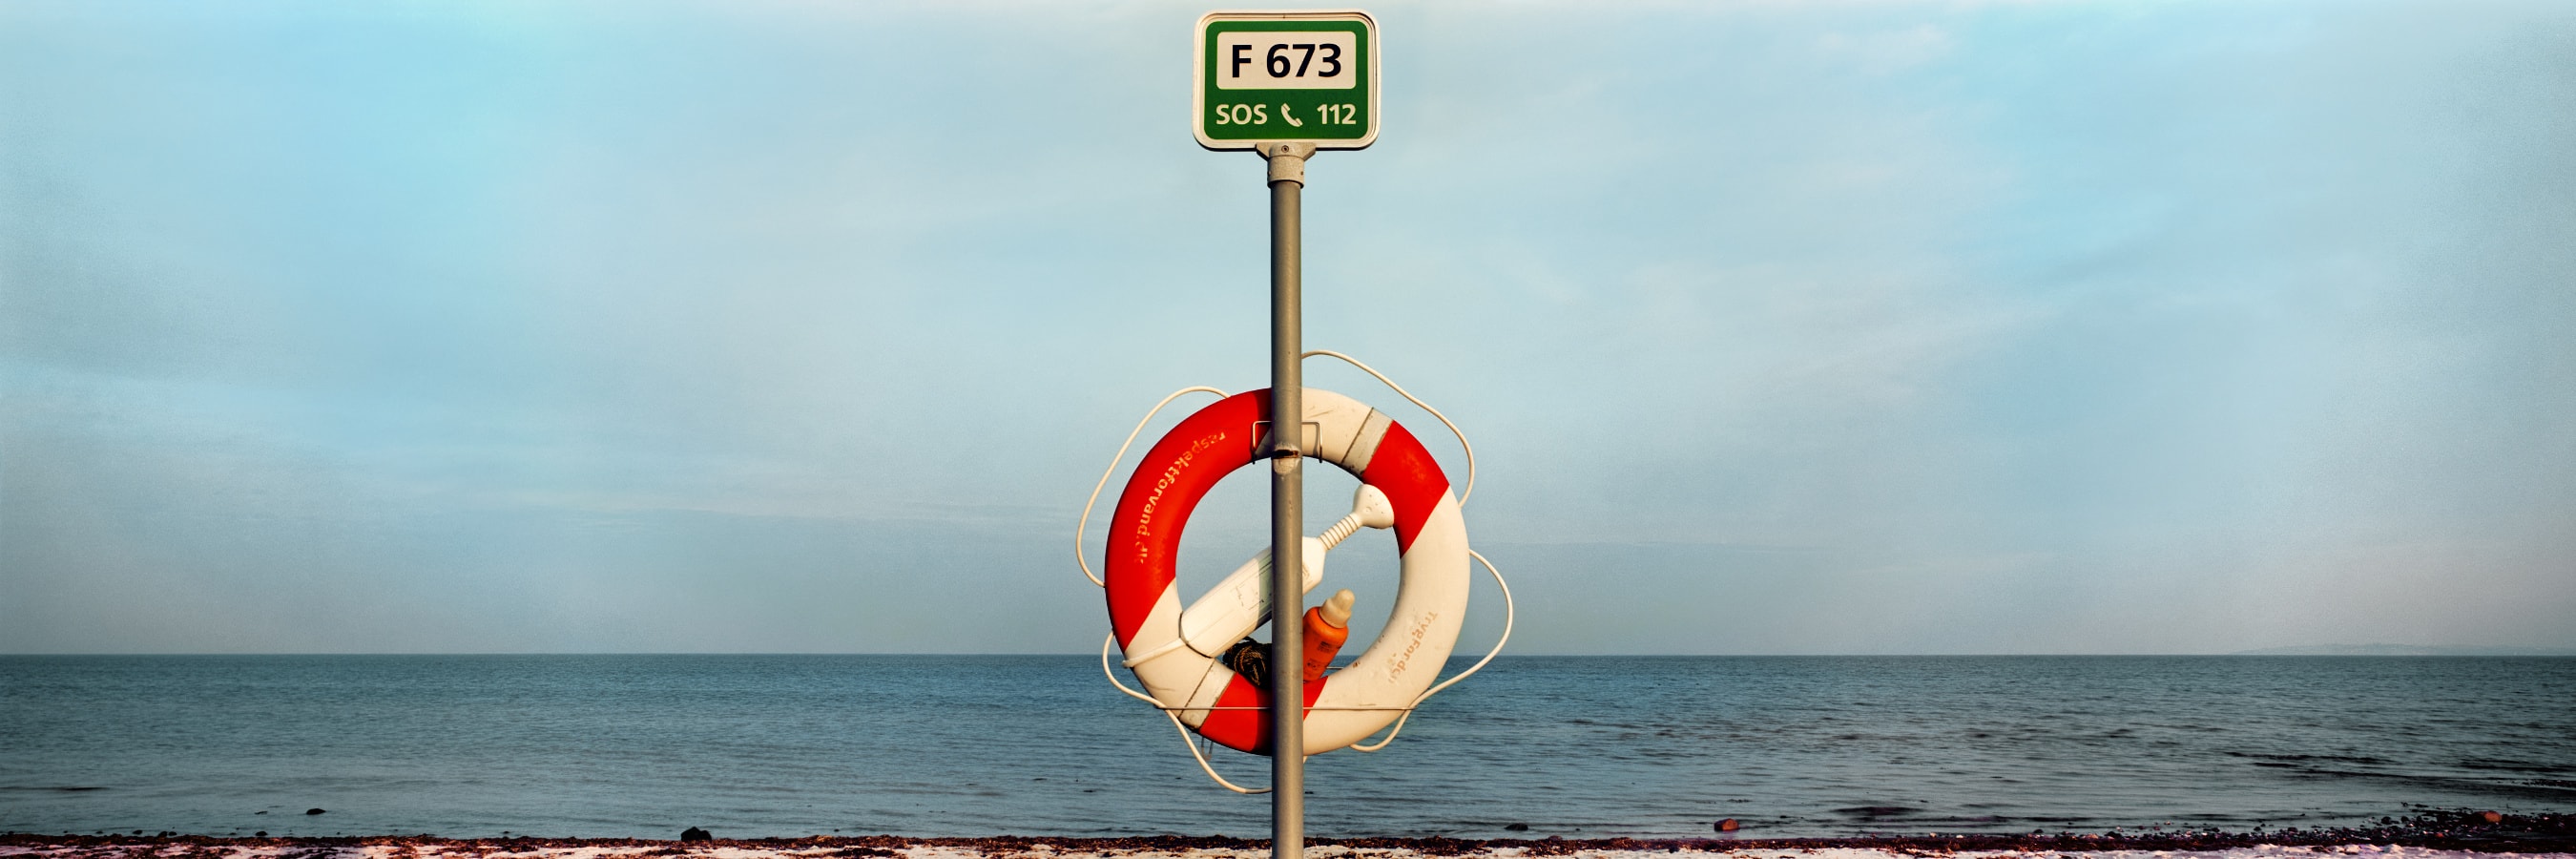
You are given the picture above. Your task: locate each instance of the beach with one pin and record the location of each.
(1079, 849)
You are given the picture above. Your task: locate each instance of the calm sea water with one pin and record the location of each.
(1584, 747)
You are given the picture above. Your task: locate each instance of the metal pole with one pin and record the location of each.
(1287, 510)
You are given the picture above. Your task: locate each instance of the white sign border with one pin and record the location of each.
(1199, 84)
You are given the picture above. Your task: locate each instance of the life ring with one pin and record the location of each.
(1145, 604)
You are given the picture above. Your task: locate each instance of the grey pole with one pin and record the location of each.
(1287, 509)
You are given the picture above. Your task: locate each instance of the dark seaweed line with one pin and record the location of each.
(2456, 829)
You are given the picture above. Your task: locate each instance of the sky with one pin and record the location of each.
(1778, 328)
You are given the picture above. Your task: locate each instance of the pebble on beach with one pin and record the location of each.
(1728, 825)
(695, 834)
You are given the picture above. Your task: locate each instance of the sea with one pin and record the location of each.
(1583, 747)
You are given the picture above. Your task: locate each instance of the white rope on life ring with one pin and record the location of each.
(1175, 664)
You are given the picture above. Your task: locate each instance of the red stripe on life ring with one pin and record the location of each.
(1411, 479)
(1248, 730)
(1145, 532)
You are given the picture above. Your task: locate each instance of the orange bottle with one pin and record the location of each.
(1327, 626)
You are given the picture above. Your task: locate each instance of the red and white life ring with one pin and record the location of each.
(1145, 606)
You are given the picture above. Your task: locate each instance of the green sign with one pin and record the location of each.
(1286, 77)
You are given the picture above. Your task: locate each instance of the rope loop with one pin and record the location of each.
(1510, 613)
(1167, 713)
(1085, 521)
(1417, 401)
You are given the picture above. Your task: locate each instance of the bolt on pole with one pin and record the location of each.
(1287, 508)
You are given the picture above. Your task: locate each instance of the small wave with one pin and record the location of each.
(2348, 759)
(52, 789)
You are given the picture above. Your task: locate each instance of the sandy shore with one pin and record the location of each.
(413, 848)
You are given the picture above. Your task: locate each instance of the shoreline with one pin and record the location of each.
(2429, 834)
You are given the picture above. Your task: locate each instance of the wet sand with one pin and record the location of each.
(2432, 835)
